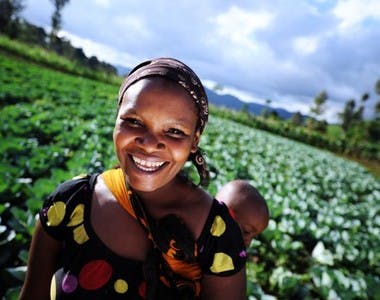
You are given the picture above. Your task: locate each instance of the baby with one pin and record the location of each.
(247, 206)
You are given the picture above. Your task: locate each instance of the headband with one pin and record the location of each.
(176, 71)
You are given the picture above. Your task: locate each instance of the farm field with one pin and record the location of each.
(323, 238)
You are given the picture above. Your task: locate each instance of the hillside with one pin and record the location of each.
(232, 102)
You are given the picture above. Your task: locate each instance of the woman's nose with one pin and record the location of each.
(150, 142)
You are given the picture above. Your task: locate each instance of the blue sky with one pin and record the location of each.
(283, 50)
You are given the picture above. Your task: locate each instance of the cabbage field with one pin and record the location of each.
(323, 239)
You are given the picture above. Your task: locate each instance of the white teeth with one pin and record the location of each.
(148, 166)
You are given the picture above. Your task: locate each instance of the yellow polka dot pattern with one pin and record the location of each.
(76, 217)
(80, 235)
(56, 213)
(120, 286)
(80, 176)
(221, 263)
(53, 288)
(218, 226)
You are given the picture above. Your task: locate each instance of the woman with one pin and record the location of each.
(142, 231)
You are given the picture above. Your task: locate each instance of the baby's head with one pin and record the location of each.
(247, 206)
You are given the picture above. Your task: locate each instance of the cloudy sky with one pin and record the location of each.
(283, 50)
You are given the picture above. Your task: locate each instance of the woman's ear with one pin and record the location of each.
(197, 136)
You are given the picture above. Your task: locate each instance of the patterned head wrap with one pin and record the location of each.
(180, 73)
(176, 71)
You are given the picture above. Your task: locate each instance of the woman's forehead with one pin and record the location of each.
(158, 89)
(176, 71)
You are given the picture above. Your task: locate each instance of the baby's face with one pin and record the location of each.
(249, 210)
(251, 223)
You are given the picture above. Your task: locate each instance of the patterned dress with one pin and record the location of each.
(90, 270)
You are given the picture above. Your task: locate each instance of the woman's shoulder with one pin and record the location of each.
(71, 187)
(221, 246)
(66, 204)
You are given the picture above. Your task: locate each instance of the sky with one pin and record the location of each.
(283, 50)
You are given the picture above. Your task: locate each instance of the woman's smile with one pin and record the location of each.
(146, 165)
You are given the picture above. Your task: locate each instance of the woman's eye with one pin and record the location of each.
(132, 122)
(175, 132)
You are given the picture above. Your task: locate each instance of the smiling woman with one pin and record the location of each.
(149, 139)
(142, 230)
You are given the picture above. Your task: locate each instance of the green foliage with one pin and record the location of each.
(319, 104)
(339, 144)
(316, 125)
(322, 239)
(296, 119)
(352, 118)
(318, 243)
(9, 10)
(52, 60)
(56, 19)
(374, 130)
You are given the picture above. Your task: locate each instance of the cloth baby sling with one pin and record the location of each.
(173, 258)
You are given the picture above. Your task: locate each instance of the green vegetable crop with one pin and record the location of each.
(322, 241)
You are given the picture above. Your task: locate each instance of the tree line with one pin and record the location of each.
(15, 27)
(352, 123)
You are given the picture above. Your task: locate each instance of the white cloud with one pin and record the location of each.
(103, 3)
(354, 12)
(238, 25)
(101, 51)
(306, 45)
(132, 25)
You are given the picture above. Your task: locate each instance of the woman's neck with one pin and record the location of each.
(168, 199)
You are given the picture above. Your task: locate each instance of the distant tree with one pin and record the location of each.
(317, 125)
(79, 55)
(377, 110)
(266, 112)
(319, 104)
(245, 108)
(316, 110)
(353, 115)
(297, 119)
(365, 97)
(9, 13)
(374, 130)
(374, 125)
(347, 116)
(321, 126)
(93, 62)
(377, 105)
(273, 114)
(358, 115)
(377, 87)
(56, 19)
(32, 34)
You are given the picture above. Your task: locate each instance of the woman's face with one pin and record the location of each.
(155, 132)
